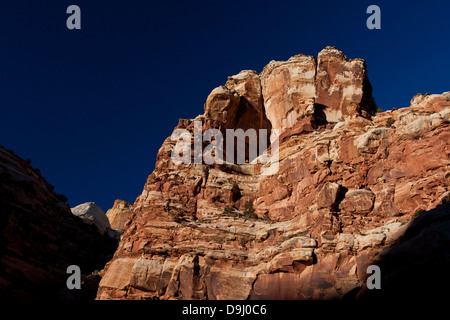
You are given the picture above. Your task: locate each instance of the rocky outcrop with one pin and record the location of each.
(119, 214)
(90, 213)
(347, 184)
(342, 85)
(40, 238)
(221, 105)
(321, 90)
(289, 90)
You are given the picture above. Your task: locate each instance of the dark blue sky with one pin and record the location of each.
(91, 107)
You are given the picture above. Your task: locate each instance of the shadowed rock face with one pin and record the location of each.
(417, 267)
(40, 238)
(347, 186)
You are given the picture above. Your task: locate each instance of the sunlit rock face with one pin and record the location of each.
(343, 87)
(119, 214)
(347, 185)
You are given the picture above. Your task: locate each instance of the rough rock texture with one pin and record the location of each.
(289, 90)
(222, 105)
(344, 192)
(40, 237)
(325, 89)
(119, 214)
(90, 213)
(343, 87)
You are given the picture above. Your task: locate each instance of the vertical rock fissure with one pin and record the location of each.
(196, 279)
(252, 288)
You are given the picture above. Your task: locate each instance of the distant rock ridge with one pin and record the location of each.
(349, 182)
(91, 213)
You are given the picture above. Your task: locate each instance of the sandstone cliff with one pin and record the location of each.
(40, 238)
(347, 185)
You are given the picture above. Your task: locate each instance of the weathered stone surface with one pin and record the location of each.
(327, 198)
(222, 105)
(119, 214)
(248, 86)
(342, 193)
(277, 286)
(90, 213)
(343, 87)
(288, 89)
(330, 89)
(358, 202)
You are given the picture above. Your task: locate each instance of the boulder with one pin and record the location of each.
(358, 201)
(119, 214)
(90, 213)
(288, 89)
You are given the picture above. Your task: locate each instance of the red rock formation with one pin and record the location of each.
(329, 88)
(343, 87)
(119, 214)
(289, 90)
(40, 237)
(343, 191)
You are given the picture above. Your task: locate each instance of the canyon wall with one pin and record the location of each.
(40, 238)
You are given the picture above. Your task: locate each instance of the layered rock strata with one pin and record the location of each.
(347, 184)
